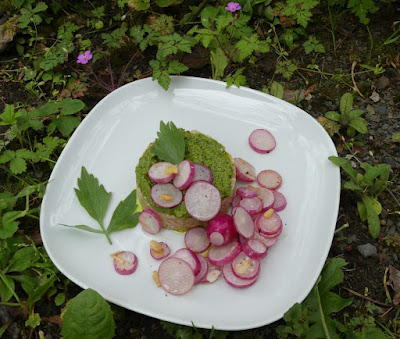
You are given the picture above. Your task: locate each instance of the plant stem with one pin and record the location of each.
(371, 39)
(342, 227)
(105, 233)
(9, 304)
(5, 281)
(325, 327)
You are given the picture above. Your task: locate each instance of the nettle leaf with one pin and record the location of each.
(71, 106)
(170, 144)
(124, 215)
(88, 316)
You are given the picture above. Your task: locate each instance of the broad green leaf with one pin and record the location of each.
(219, 61)
(71, 106)
(371, 333)
(18, 165)
(170, 144)
(124, 215)
(41, 290)
(33, 320)
(208, 16)
(45, 110)
(27, 282)
(332, 303)
(40, 7)
(66, 124)
(88, 316)
(335, 116)
(332, 275)
(362, 211)
(374, 225)
(330, 126)
(376, 205)
(355, 113)
(346, 103)
(8, 229)
(359, 124)
(352, 186)
(5, 292)
(345, 164)
(22, 259)
(277, 89)
(371, 173)
(59, 299)
(84, 228)
(92, 196)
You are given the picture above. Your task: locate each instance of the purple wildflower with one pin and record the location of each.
(84, 58)
(233, 7)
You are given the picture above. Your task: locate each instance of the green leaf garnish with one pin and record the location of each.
(124, 215)
(170, 145)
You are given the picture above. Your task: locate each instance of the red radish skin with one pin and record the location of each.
(203, 269)
(255, 248)
(176, 276)
(202, 173)
(246, 192)
(202, 200)
(190, 257)
(280, 202)
(244, 170)
(262, 141)
(233, 280)
(269, 226)
(269, 179)
(125, 262)
(158, 255)
(268, 242)
(184, 178)
(162, 172)
(243, 222)
(245, 267)
(221, 230)
(166, 195)
(197, 240)
(251, 205)
(150, 221)
(236, 201)
(213, 273)
(266, 196)
(221, 255)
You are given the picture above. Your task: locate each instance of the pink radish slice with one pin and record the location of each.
(269, 179)
(246, 192)
(221, 255)
(262, 141)
(197, 240)
(236, 200)
(202, 200)
(185, 175)
(245, 267)
(203, 268)
(202, 173)
(268, 242)
(251, 205)
(244, 171)
(166, 195)
(213, 273)
(280, 201)
(176, 276)
(125, 262)
(233, 280)
(150, 221)
(190, 257)
(255, 248)
(221, 230)
(266, 196)
(160, 255)
(243, 222)
(269, 226)
(159, 172)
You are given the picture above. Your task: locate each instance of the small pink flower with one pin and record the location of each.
(84, 58)
(233, 7)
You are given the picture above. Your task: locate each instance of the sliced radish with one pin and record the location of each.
(246, 192)
(203, 269)
(196, 239)
(233, 280)
(262, 141)
(185, 175)
(269, 179)
(162, 172)
(176, 276)
(159, 250)
(269, 226)
(213, 273)
(190, 257)
(251, 205)
(125, 262)
(267, 197)
(236, 200)
(280, 201)
(243, 222)
(202, 173)
(245, 267)
(221, 255)
(244, 171)
(150, 221)
(255, 248)
(166, 195)
(221, 230)
(267, 241)
(202, 200)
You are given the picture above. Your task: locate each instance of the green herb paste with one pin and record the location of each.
(199, 149)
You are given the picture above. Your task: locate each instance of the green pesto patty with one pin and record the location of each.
(199, 149)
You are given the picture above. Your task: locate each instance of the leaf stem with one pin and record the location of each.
(325, 327)
(105, 233)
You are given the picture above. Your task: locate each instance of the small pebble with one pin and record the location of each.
(367, 250)
(383, 82)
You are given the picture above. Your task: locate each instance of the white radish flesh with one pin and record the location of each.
(185, 175)
(280, 201)
(150, 221)
(246, 192)
(166, 195)
(162, 172)
(243, 222)
(268, 242)
(221, 255)
(125, 262)
(255, 248)
(266, 196)
(269, 226)
(244, 171)
(203, 269)
(245, 267)
(176, 276)
(262, 141)
(202, 200)
(233, 280)
(269, 179)
(190, 257)
(251, 205)
(159, 250)
(202, 173)
(236, 200)
(197, 240)
(221, 230)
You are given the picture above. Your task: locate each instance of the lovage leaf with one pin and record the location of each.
(92, 196)
(88, 316)
(124, 215)
(170, 145)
